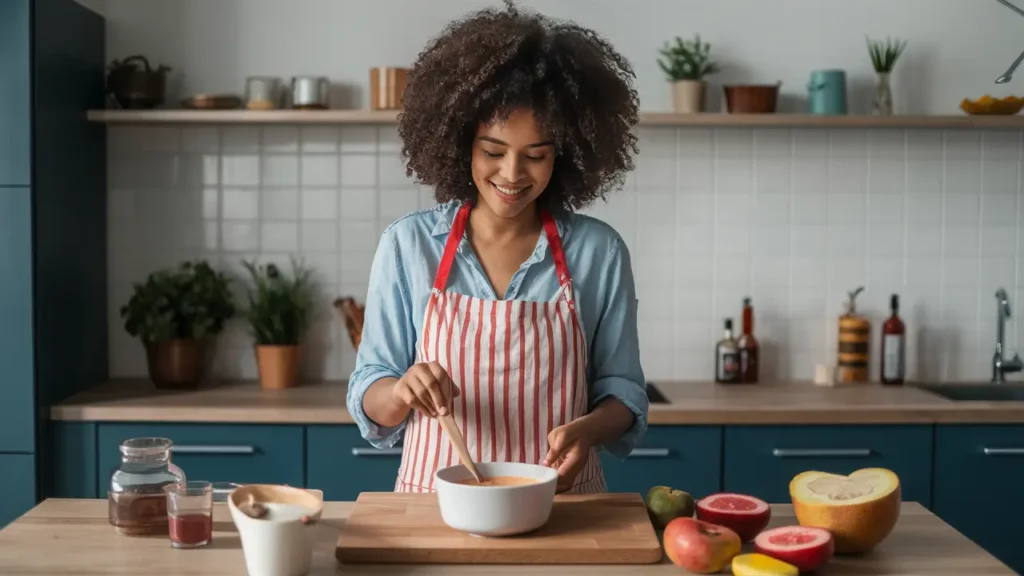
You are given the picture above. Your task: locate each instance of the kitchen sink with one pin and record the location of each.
(654, 396)
(978, 392)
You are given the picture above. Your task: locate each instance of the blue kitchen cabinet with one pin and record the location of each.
(242, 453)
(761, 460)
(15, 93)
(53, 297)
(685, 457)
(342, 464)
(978, 471)
(17, 417)
(19, 486)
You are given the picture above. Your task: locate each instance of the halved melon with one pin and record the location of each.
(860, 510)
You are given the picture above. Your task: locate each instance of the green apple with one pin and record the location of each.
(665, 504)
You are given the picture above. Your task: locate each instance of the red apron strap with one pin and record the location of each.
(459, 228)
(451, 246)
(557, 253)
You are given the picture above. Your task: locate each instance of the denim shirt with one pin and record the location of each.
(402, 276)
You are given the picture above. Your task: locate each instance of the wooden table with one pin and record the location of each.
(72, 538)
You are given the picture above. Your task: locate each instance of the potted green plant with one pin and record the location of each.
(686, 63)
(883, 58)
(278, 313)
(175, 313)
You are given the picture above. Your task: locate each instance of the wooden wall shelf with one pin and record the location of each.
(961, 121)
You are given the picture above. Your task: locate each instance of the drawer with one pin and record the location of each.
(214, 452)
(684, 457)
(18, 485)
(761, 460)
(978, 471)
(343, 464)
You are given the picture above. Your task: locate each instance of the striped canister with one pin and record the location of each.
(854, 343)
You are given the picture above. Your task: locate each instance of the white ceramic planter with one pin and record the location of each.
(688, 96)
(496, 510)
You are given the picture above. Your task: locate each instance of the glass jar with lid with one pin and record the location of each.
(136, 502)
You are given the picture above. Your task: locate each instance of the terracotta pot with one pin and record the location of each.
(751, 98)
(688, 96)
(278, 366)
(177, 363)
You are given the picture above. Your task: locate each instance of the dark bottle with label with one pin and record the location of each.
(894, 344)
(727, 357)
(748, 346)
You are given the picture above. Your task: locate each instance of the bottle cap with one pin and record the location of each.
(894, 301)
(728, 323)
(746, 302)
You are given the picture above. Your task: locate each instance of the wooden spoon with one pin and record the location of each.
(448, 423)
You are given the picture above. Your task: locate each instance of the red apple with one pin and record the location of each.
(700, 546)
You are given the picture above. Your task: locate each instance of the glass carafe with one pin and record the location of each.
(136, 502)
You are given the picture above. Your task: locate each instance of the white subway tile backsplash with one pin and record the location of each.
(320, 139)
(241, 204)
(281, 170)
(358, 170)
(280, 139)
(241, 170)
(319, 204)
(360, 139)
(791, 218)
(279, 236)
(319, 170)
(239, 236)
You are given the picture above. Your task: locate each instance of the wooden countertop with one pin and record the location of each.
(690, 403)
(72, 538)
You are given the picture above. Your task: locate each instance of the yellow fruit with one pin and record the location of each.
(860, 510)
(761, 565)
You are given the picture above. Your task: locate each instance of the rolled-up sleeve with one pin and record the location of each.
(615, 361)
(387, 348)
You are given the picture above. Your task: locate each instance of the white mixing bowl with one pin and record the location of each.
(496, 510)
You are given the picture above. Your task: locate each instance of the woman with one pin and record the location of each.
(501, 304)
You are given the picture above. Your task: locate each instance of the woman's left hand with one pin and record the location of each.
(568, 449)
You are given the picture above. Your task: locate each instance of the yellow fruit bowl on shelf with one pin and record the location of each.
(989, 105)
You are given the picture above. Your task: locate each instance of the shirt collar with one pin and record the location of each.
(447, 212)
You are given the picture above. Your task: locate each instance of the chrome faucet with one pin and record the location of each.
(1001, 365)
(1008, 75)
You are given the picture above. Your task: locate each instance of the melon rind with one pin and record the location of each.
(857, 524)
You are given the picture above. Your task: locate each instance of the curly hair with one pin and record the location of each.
(483, 67)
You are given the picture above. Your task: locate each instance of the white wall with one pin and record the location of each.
(956, 47)
(792, 218)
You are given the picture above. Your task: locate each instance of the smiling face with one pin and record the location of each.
(512, 164)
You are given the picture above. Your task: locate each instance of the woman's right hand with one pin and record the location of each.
(425, 387)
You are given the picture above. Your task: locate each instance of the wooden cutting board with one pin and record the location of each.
(392, 528)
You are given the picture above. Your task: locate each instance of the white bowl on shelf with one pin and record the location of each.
(496, 510)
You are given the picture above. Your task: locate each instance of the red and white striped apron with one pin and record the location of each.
(520, 367)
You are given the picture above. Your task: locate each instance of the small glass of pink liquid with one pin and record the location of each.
(190, 513)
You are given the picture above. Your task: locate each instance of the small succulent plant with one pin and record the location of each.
(686, 59)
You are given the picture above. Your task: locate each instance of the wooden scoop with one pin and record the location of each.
(448, 423)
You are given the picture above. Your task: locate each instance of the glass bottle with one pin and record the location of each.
(894, 335)
(727, 357)
(748, 346)
(136, 502)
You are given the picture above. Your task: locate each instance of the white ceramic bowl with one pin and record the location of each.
(496, 510)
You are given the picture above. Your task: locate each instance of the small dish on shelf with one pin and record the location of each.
(988, 105)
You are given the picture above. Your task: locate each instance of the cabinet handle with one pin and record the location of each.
(821, 453)
(649, 453)
(376, 451)
(204, 449)
(1003, 451)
